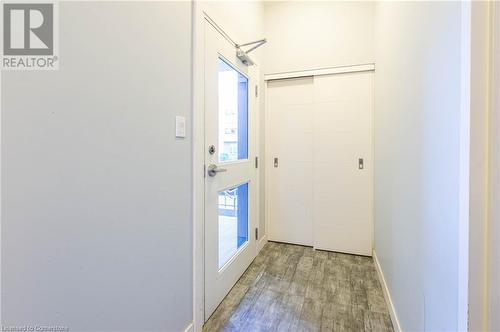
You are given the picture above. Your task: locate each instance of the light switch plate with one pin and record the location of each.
(180, 127)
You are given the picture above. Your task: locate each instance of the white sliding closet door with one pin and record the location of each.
(320, 190)
(342, 204)
(290, 105)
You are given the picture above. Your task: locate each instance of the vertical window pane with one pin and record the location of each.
(233, 113)
(233, 221)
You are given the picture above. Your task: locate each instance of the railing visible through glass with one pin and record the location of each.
(233, 113)
(233, 221)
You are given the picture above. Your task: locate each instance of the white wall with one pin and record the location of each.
(96, 221)
(417, 112)
(315, 34)
(244, 20)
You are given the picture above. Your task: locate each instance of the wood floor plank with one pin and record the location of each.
(378, 322)
(291, 306)
(310, 316)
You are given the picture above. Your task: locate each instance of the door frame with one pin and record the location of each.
(201, 13)
(493, 271)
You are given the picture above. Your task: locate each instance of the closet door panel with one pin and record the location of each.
(290, 106)
(342, 207)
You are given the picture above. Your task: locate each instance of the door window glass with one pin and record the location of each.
(233, 221)
(233, 113)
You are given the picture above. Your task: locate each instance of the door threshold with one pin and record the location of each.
(306, 246)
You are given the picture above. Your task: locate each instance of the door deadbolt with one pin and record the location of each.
(211, 149)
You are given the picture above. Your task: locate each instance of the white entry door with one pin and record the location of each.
(321, 167)
(230, 179)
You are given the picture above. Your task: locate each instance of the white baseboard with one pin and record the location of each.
(387, 295)
(261, 243)
(189, 328)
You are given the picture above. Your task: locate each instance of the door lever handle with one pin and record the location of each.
(213, 170)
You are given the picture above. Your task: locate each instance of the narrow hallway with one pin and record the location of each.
(296, 288)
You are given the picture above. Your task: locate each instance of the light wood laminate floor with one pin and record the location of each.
(296, 288)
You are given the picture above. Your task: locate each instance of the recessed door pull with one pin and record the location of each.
(275, 162)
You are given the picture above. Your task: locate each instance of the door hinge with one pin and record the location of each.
(204, 170)
(256, 90)
(256, 162)
(256, 233)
